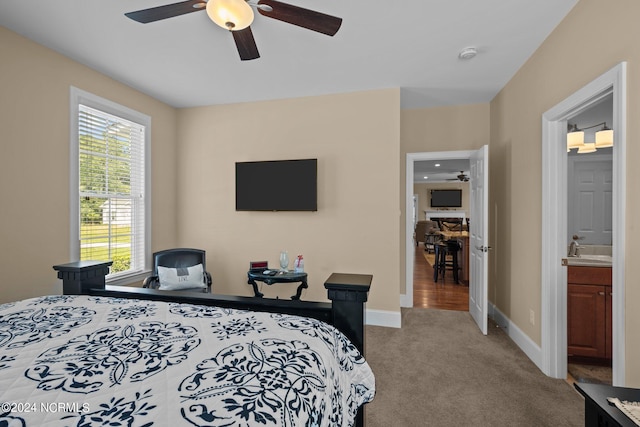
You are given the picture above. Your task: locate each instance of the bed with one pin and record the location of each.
(138, 357)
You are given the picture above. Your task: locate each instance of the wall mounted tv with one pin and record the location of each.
(446, 198)
(277, 185)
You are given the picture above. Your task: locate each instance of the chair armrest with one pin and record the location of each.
(149, 281)
(207, 280)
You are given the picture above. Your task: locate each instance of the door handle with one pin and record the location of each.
(483, 248)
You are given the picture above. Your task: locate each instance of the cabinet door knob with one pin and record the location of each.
(601, 293)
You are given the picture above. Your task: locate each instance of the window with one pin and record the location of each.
(109, 185)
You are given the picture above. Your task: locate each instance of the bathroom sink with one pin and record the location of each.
(585, 250)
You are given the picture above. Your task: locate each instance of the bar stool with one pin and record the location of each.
(442, 250)
(430, 242)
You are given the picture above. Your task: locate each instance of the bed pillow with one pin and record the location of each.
(176, 279)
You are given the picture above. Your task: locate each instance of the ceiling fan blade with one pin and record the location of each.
(158, 13)
(246, 44)
(305, 18)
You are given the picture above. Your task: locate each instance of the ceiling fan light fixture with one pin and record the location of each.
(233, 15)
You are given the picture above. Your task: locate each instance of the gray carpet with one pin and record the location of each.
(439, 370)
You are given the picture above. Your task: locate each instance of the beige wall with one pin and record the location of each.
(455, 128)
(578, 51)
(34, 162)
(355, 138)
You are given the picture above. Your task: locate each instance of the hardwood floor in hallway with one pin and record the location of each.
(444, 295)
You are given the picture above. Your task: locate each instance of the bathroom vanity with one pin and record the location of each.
(589, 311)
(589, 302)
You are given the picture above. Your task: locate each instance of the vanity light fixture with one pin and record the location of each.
(587, 147)
(575, 138)
(604, 137)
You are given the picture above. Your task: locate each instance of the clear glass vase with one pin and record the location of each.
(284, 261)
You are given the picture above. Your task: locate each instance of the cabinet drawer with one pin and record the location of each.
(589, 275)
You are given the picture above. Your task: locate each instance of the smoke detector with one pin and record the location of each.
(468, 53)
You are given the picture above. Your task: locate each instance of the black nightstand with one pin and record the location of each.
(597, 410)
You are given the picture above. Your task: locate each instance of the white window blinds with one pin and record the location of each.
(111, 153)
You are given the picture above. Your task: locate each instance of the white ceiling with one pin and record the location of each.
(188, 61)
(430, 171)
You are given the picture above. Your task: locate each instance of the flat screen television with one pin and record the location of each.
(446, 198)
(277, 185)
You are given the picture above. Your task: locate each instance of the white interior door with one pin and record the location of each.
(590, 199)
(478, 237)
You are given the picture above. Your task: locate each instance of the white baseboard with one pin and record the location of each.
(526, 344)
(390, 319)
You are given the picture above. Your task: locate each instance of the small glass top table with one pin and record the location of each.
(280, 277)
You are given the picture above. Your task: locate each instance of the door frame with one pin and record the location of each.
(554, 221)
(406, 299)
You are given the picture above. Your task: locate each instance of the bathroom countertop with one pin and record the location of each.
(588, 261)
(590, 256)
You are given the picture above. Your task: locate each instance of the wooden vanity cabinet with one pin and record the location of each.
(589, 312)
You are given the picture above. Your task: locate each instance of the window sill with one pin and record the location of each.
(134, 279)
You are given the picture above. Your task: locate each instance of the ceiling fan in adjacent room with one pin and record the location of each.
(462, 177)
(237, 16)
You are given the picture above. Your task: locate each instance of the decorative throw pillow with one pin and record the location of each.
(176, 279)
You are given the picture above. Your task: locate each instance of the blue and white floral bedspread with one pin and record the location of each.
(81, 361)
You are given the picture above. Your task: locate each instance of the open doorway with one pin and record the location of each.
(555, 227)
(478, 228)
(589, 229)
(412, 159)
(442, 213)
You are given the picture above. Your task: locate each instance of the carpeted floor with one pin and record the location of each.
(438, 369)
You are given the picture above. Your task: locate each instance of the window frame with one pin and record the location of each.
(77, 97)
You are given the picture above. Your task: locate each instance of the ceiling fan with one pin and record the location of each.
(237, 16)
(462, 177)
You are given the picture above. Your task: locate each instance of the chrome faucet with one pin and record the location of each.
(574, 247)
